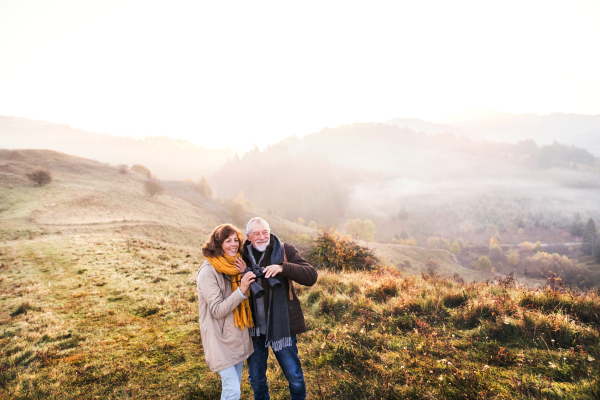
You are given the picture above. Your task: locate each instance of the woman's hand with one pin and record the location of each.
(247, 279)
(240, 265)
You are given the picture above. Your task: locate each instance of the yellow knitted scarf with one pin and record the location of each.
(224, 264)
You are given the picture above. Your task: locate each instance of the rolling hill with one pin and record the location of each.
(167, 158)
(90, 198)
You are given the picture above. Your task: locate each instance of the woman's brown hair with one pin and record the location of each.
(213, 246)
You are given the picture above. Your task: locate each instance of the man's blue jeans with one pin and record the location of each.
(289, 363)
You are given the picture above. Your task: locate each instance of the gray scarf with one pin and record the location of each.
(278, 323)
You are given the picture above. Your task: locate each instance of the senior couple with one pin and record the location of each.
(237, 325)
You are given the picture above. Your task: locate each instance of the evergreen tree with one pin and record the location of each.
(576, 228)
(589, 242)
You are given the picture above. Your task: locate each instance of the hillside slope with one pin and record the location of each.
(87, 196)
(168, 158)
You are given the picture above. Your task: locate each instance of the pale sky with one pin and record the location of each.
(234, 73)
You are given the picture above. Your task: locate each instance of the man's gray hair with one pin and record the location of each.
(256, 219)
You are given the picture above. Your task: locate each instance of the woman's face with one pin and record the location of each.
(231, 245)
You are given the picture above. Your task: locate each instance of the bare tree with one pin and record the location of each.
(40, 176)
(153, 187)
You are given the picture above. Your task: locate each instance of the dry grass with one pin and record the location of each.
(105, 316)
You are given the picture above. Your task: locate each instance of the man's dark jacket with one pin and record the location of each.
(295, 269)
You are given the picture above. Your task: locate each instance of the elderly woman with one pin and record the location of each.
(224, 309)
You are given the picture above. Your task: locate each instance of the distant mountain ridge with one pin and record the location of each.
(168, 158)
(431, 128)
(571, 129)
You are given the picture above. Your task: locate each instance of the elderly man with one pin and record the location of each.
(277, 315)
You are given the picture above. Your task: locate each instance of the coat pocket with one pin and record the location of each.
(227, 325)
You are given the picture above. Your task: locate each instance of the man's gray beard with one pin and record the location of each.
(262, 248)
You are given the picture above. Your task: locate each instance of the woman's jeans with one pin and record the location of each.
(289, 363)
(231, 379)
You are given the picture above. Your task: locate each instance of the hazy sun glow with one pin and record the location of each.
(230, 74)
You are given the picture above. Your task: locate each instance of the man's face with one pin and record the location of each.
(259, 236)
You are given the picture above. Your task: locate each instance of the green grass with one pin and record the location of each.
(101, 316)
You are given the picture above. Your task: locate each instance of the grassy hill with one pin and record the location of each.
(168, 158)
(89, 316)
(98, 300)
(91, 197)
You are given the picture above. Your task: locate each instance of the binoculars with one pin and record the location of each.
(255, 287)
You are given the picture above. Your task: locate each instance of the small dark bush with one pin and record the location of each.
(123, 168)
(40, 176)
(154, 187)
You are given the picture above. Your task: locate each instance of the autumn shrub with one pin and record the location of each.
(338, 253)
(496, 253)
(203, 188)
(527, 246)
(454, 248)
(236, 211)
(140, 169)
(483, 264)
(40, 176)
(432, 241)
(432, 265)
(153, 187)
(544, 265)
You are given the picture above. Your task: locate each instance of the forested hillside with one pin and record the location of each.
(384, 173)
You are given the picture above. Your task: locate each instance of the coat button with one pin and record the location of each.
(291, 307)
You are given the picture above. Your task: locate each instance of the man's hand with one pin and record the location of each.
(273, 270)
(240, 265)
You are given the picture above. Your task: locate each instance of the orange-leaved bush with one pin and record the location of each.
(339, 253)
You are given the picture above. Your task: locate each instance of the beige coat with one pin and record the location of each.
(224, 344)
